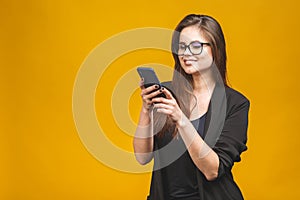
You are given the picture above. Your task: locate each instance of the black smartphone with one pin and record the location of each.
(150, 78)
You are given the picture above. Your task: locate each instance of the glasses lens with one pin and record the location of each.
(196, 47)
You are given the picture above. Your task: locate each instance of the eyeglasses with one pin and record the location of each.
(194, 47)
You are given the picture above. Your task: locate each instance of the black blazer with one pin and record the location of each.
(226, 133)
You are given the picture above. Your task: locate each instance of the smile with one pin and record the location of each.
(188, 61)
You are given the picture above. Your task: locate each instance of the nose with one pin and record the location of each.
(187, 51)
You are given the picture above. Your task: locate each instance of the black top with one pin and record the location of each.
(180, 179)
(228, 145)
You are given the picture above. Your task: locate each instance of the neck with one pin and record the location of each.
(203, 82)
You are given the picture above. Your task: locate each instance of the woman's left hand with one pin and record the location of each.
(168, 106)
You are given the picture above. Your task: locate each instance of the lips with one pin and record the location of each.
(189, 61)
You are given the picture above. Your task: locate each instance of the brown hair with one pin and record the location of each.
(182, 83)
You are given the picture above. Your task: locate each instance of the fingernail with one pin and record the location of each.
(156, 86)
(162, 88)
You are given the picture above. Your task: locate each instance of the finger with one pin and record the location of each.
(164, 111)
(153, 94)
(167, 93)
(142, 83)
(164, 106)
(150, 89)
(162, 100)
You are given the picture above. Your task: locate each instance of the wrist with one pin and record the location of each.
(181, 122)
(145, 117)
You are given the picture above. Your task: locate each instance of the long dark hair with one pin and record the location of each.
(182, 83)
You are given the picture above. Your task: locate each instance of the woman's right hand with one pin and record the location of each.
(147, 94)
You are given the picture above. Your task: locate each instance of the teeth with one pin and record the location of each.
(188, 62)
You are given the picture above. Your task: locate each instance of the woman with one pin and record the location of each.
(205, 126)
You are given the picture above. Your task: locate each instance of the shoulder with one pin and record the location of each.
(235, 95)
(236, 99)
(167, 84)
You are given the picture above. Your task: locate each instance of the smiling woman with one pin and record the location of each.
(43, 45)
(202, 168)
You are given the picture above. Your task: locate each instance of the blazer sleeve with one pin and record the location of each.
(232, 141)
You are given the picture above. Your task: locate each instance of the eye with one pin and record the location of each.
(196, 45)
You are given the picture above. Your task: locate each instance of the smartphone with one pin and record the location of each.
(150, 78)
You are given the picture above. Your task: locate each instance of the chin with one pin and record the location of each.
(196, 70)
(191, 70)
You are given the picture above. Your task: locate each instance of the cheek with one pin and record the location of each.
(205, 59)
(180, 60)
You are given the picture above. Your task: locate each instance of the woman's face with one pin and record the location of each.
(193, 64)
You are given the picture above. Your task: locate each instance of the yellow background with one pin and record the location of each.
(42, 45)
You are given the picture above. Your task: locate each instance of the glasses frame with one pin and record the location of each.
(188, 46)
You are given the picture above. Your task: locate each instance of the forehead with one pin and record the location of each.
(192, 33)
